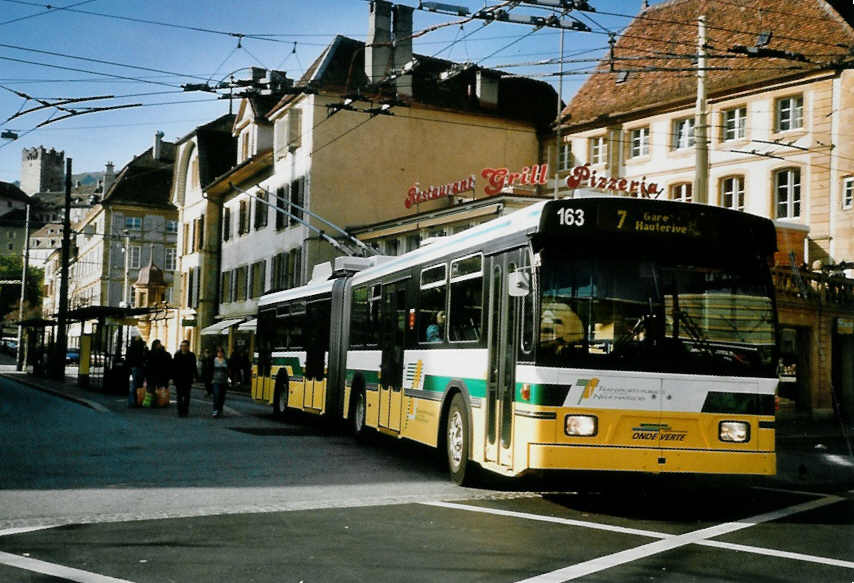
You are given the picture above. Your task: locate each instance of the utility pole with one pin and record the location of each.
(701, 132)
(127, 266)
(19, 359)
(61, 344)
(559, 120)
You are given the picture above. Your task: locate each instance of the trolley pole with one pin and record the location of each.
(61, 344)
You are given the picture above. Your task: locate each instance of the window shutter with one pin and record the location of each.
(294, 129)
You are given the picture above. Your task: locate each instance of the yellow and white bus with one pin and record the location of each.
(592, 334)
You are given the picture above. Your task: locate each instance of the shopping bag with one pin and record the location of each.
(161, 397)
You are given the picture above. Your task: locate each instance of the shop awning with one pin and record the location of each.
(248, 325)
(220, 327)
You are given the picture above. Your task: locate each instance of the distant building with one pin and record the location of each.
(135, 217)
(13, 214)
(42, 170)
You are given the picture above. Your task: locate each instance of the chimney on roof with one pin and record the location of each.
(403, 47)
(487, 89)
(378, 45)
(644, 4)
(109, 176)
(157, 150)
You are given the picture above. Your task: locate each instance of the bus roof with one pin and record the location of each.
(603, 217)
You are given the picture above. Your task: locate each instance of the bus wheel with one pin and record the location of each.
(459, 442)
(280, 399)
(358, 413)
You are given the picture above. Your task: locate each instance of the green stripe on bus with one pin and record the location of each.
(291, 361)
(476, 387)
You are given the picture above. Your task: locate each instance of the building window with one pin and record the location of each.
(240, 276)
(186, 243)
(392, 247)
(243, 218)
(135, 256)
(732, 193)
(682, 135)
(598, 150)
(194, 172)
(225, 287)
(787, 193)
(258, 279)
(681, 192)
(297, 198)
(172, 226)
(244, 146)
(133, 223)
(170, 259)
(639, 144)
(261, 210)
(286, 270)
(564, 157)
(294, 129)
(200, 233)
(226, 224)
(735, 124)
(282, 195)
(848, 193)
(790, 113)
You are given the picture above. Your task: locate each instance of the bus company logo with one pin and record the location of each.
(588, 387)
(657, 432)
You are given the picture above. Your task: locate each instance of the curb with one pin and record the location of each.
(73, 398)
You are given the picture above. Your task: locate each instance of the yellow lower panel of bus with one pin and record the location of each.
(544, 456)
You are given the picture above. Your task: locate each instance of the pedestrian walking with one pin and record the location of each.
(220, 381)
(157, 371)
(136, 357)
(184, 373)
(207, 372)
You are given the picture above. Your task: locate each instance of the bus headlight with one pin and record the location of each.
(581, 425)
(734, 431)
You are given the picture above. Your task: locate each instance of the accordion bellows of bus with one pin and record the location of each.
(592, 334)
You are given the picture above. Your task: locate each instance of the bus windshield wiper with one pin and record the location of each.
(694, 331)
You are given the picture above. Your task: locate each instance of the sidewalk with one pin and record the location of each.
(811, 454)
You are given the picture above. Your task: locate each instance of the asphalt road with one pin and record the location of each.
(116, 494)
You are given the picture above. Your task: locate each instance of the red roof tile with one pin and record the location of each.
(661, 37)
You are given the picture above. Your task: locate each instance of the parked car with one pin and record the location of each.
(9, 346)
(72, 356)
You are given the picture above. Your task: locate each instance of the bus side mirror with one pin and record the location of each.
(519, 284)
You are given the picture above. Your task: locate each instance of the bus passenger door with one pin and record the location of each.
(392, 343)
(503, 339)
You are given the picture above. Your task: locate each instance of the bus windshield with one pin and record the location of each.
(637, 313)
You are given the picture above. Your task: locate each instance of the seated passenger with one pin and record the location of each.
(434, 330)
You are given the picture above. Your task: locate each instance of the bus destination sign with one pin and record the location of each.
(620, 215)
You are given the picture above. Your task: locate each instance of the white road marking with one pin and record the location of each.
(654, 548)
(668, 541)
(776, 553)
(25, 529)
(553, 519)
(45, 568)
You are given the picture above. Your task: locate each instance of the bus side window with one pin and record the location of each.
(431, 309)
(374, 313)
(360, 319)
(466, 311)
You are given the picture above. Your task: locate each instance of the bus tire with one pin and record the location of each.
(358, 416)
(280, 398)
(458, 442)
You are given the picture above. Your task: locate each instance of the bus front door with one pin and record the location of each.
(501, 381)
(392, 343)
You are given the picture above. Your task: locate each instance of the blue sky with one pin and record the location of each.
(168, 57)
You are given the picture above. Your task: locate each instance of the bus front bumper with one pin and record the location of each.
(656, 460)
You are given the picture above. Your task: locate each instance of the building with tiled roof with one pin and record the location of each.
(359, 140)
(780, 110)
(134, 224)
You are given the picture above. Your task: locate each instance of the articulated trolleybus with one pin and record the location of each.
(592, 334)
